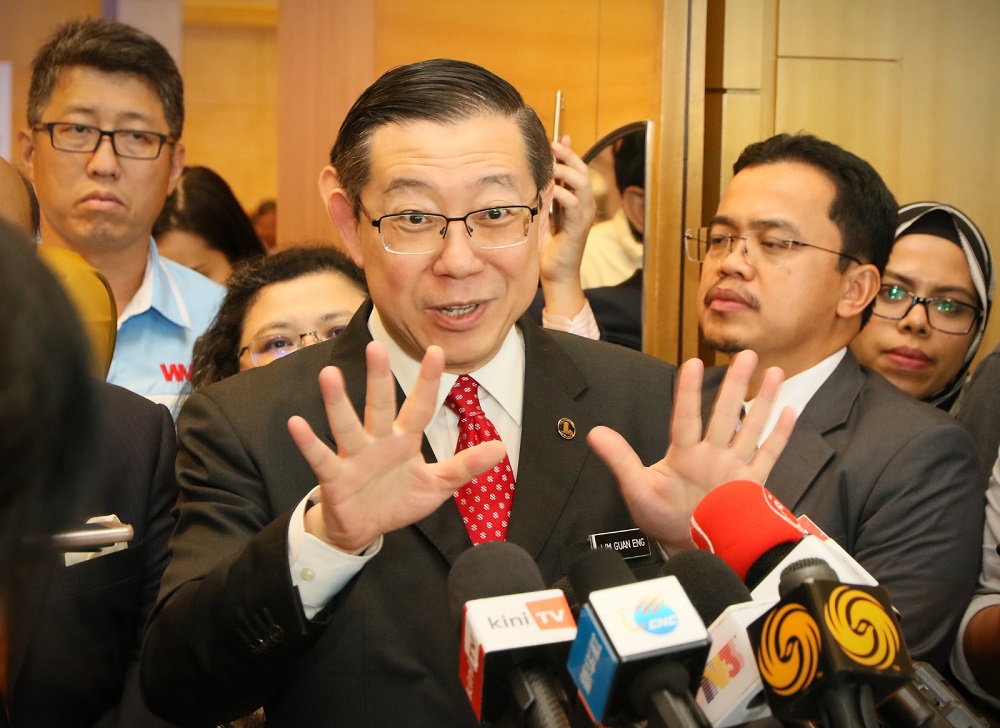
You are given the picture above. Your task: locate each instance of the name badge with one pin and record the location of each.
(629, 544)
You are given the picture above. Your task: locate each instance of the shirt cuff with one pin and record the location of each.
(583, 324)
(319, 571)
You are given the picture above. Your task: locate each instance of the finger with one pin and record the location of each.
(745, 442)
(729, 403)
(472, 462)
(619, 456)
(321, 458)
(345, 426)
(767, 454)
(420, 405)
(685, 427)
(380, 396)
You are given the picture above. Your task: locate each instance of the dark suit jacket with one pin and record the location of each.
(893, 481)
(978, 408)
(228, 632)
(75, 633)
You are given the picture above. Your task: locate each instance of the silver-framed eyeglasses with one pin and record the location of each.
(705, 244)
(417, 233)
(943, 314)
(68, 136)
(265, 349)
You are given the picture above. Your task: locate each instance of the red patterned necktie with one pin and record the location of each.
(484, 501)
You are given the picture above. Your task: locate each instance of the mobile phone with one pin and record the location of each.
(92, 537)
(554, 213)
(557, 124)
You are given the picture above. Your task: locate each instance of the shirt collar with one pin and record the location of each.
(158, 291)
(798, 390)
(502, 377)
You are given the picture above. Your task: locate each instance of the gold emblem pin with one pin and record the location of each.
(566, 428)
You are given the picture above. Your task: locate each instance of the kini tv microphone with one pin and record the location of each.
(640, 646)
(515, 634)
(829, 651)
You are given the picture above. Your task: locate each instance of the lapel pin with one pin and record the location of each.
(566, 428)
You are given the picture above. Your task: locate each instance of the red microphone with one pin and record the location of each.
(740, 521)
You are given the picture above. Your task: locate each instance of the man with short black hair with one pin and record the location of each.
(328, 603)
(791, 264)
(105, 114)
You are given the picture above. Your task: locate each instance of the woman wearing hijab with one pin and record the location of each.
(931, 311)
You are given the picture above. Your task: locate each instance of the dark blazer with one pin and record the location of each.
(893, 481)
(978, 408)
(75, 634)
(228, 633)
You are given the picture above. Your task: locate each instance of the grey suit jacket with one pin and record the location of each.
(228, 632)
(893, 481)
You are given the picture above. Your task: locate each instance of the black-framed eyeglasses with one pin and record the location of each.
(416, 233)
(704, 244)
(265, 349)
(83, 138)
(943, 314)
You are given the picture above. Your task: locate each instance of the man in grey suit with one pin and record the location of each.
(328, 603)
(790, 266)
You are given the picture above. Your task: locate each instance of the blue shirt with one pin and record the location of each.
(158, 327)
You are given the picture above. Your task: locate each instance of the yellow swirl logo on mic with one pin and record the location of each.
(862, 628)
(789, 650)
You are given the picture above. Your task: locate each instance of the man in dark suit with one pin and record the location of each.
(328, 603)
(791, 264)
(75, 632)
(75, 449)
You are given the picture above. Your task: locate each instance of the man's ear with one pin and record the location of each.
(341, 212)
(861, 284)
(176, 166)
(634, 205)
(27, 149)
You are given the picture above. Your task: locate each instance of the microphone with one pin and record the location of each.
(759, 537)
(640, 647)
(730, 692)
(753, 532)
(829, 651)
(513, 631)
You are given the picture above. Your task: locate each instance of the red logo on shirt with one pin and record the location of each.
(176, 372)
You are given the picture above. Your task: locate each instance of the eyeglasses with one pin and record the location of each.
(265, 349)
(703, 244)
(129, 143)
(943, 314)
(492, 228)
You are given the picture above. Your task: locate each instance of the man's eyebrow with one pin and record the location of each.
(757, 225)
(405, 183)
(128, 116)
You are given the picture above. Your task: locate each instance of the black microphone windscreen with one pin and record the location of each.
(492, 569)
(598, 569)
(566, 586)
(766, 563)
(708, 582)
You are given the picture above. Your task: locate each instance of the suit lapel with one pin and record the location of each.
(808, 451)
(549, 464)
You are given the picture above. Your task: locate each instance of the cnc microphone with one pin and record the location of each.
(515, 634)
(640, 646)
(829, 651)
